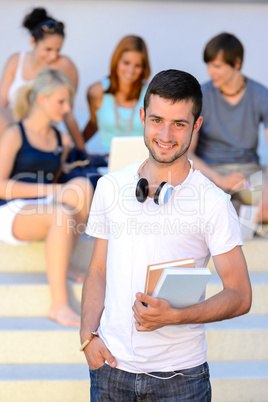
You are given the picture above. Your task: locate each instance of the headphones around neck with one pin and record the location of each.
(162, 194)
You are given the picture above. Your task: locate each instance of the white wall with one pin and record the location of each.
(174, 31)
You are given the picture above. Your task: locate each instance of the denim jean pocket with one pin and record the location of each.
(195, 372)
(91, 370)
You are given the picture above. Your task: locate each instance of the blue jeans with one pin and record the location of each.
(111, 384)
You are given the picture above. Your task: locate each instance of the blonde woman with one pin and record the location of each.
(46, 38)
(32, 207)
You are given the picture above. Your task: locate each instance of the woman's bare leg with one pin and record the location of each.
(59, 245)
(60, 224)
(77, 194)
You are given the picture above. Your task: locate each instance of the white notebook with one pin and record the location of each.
(248, 226)
(182, 287)
(126, 150)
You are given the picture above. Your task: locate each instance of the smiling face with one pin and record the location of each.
(221, 73)
(168, 128)
(47, 49)
(129, 67)
(56, 105)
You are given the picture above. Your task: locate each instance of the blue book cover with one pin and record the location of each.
(182, 287)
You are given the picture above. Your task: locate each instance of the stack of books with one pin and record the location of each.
(179, 282)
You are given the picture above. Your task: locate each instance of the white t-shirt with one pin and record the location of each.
(197, 221)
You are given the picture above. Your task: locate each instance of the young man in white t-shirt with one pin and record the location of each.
(132, 342)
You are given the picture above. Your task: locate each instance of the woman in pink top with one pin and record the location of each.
(47, 35)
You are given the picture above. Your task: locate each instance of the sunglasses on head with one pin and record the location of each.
(52, 26)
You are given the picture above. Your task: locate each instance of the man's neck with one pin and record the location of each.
(174, 173)
(234, 85)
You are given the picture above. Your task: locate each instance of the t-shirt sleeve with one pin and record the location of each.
(259, 95)
(264, 106)
(97, 225)
(224, 229)
(105, 83)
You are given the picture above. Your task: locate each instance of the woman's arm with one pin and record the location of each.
(66, 144)
(74, 130)
(67, 67)
(94, 98)
(7, 78)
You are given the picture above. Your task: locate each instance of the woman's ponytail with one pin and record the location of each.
(22, 102)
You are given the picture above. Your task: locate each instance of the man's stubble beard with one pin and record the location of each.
(174, 158)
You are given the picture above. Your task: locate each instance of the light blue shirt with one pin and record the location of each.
(109, 126)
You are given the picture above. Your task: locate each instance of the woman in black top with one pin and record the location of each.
(33, 207)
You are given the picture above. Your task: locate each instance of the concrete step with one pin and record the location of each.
(31, 257)
(44, 382)
(256, 254)
(40, 360)
(245, 381)
(27, 294)
(40, 340)
(231, 382)
(259, 283)
(239, 339)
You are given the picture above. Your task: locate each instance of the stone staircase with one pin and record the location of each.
(238, 348)
(40, 360)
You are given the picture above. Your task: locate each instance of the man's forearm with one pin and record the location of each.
(232, 181)
(225, 305)
(92, 303)
(204, 168)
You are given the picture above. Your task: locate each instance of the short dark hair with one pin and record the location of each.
(231, 47)
(175, 85)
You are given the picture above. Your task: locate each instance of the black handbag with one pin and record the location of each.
(80, 164)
